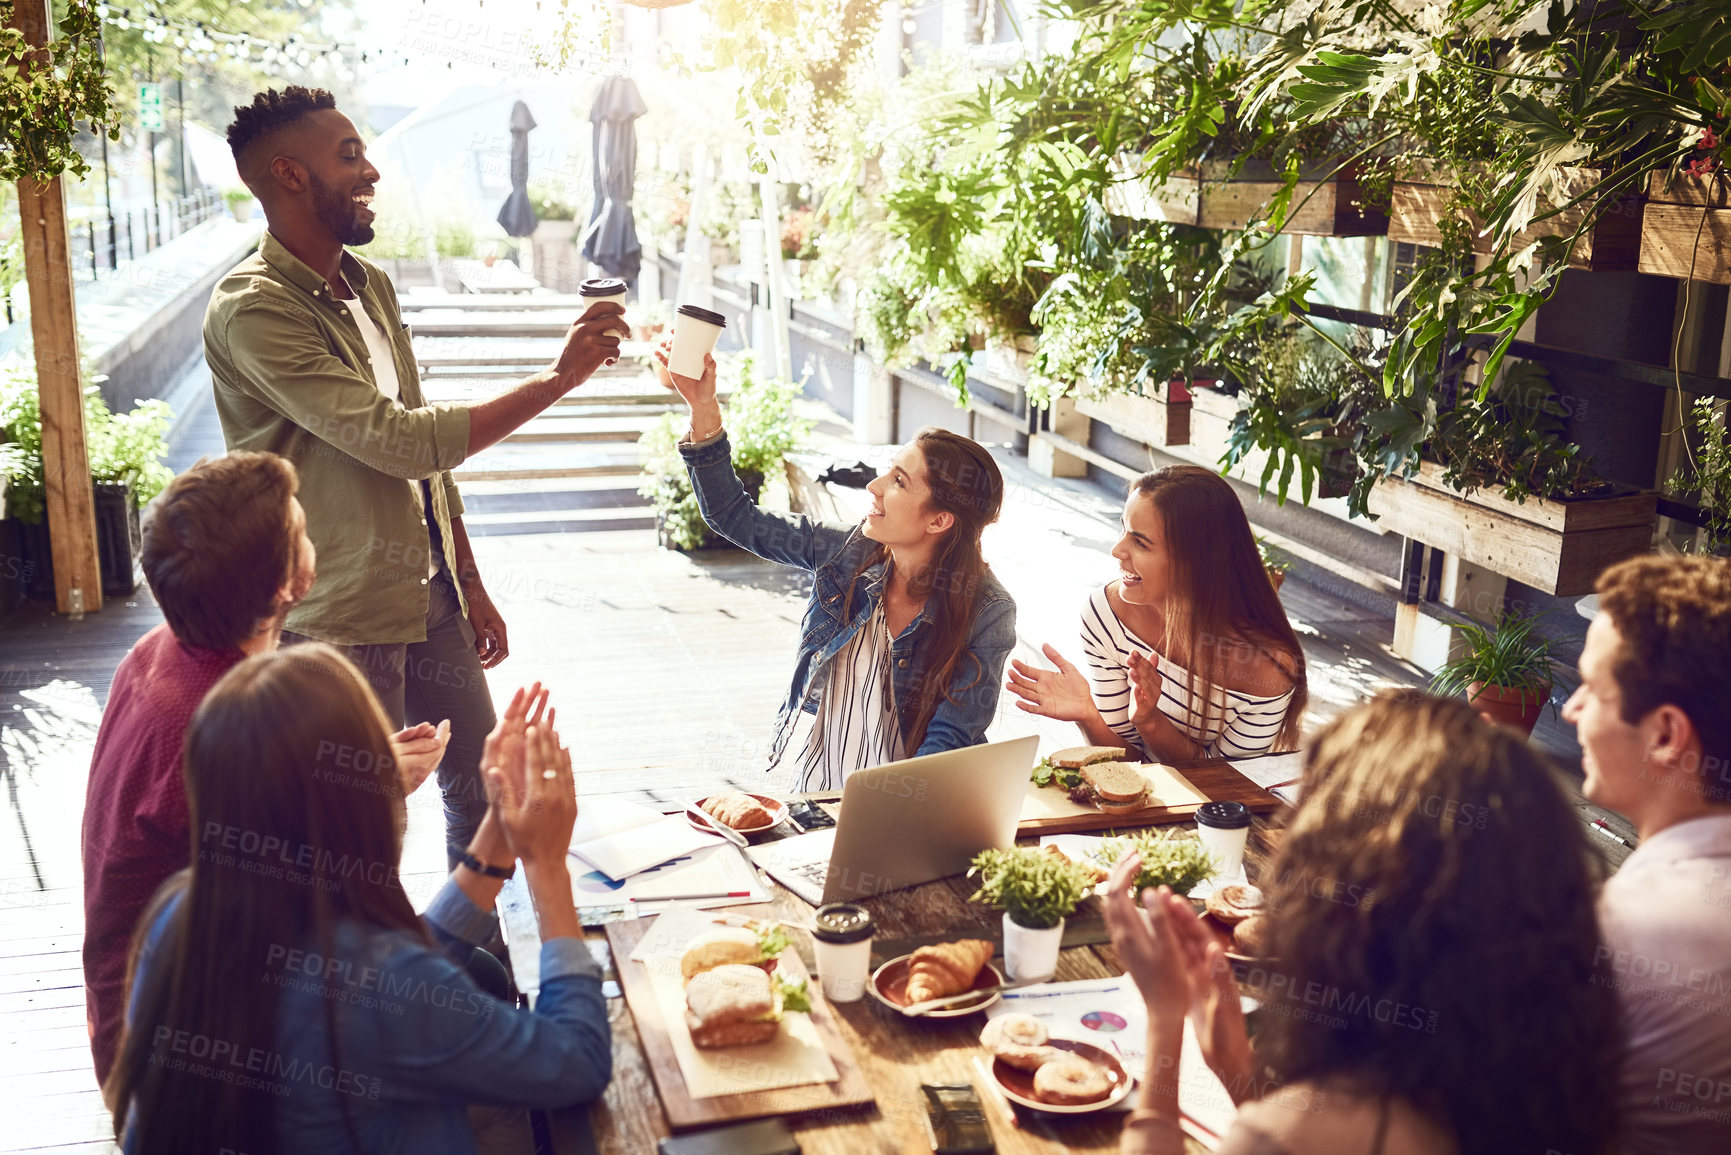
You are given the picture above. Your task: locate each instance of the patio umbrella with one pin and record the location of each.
(611, 239)
(516, 216)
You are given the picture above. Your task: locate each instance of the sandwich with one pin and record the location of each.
(738, 983)
(1115, 787)
(1063, 768)
(727, 945)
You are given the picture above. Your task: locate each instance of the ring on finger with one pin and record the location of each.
(549, 775)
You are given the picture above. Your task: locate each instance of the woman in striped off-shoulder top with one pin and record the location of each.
(1189, 653)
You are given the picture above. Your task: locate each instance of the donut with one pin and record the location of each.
(1070, 1082)
(1019, 1040)
(1249, 937)
(1233, 904)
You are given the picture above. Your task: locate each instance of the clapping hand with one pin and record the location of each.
(1180, 968)
(532, 789)
(1062, 693)
(418, 752)
(1145, 682)
(1143, 937)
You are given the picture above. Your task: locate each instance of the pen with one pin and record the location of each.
(1596, 824)
(688, 897)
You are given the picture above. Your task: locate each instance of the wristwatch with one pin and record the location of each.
(479, 867)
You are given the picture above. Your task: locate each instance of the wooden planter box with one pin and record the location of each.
(1211, 196)
(1149, 420)
(1613, 244)
(1557, 547)
(1673, 222)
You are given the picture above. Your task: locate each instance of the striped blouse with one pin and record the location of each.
(1242, 724)
(856, 726)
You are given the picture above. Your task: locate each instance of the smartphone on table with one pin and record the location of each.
(955, 1119)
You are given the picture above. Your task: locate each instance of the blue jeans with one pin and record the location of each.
(428, 682)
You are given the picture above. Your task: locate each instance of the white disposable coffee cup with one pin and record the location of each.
(841, 938)
(695, 332)
(603, 289)
(1223, 828)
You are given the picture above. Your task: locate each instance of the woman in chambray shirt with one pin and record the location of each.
(283, 994)
(904, 641)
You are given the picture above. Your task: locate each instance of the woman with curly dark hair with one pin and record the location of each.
(1430, 941)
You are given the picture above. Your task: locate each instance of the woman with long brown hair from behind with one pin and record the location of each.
(1189, 652)
(1429, 984)
(283, 994)
(907, 630)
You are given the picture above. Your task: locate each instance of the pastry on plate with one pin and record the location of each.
(1019, 1040)
(736, 809)
(1235, 903)
(1070, 1081)
(1250, 937)
(947, 968)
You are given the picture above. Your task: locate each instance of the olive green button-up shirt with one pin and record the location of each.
(292, 376)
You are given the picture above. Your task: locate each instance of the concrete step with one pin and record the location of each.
(635, 389)
(535, 352)
(577, 426)
(539, 461)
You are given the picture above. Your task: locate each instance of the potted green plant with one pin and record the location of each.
(762, 428)
(125, 452)
(1276, 563)
(1506, 670)
(239, 201)
(1707, 473)
(1036, 891)
(1179, 863)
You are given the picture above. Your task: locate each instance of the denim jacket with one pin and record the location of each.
(833, 555)
(418, 1039)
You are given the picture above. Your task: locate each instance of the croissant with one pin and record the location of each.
(948, 968)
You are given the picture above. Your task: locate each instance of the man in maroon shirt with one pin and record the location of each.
(226, 555)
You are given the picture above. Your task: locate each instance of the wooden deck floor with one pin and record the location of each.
(666, 668)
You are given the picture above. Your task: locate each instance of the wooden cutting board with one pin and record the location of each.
(850, 1090)
(1179, 790)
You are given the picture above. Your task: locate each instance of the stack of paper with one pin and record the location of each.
(633, 859)
(1280, 771)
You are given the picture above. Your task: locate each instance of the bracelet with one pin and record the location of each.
(479, 867)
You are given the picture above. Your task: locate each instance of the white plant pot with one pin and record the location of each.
(1030, 955)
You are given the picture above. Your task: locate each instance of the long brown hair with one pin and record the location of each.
(1221, 595)
(297, 817)
(1432, 929)
(965, 482)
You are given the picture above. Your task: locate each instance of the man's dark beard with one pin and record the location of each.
(338, 213)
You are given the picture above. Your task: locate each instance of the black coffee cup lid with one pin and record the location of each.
(842, 922)
(702, 314)
(1223, 815)
(602, 287)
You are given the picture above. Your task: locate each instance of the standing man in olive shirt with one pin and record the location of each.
(310, 359)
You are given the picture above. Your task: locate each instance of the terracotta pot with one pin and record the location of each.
(1276, 577)
(1504, 706)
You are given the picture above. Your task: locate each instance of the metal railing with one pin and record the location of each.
(99, 244)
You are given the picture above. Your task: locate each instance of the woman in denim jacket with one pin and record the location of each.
(905, 638)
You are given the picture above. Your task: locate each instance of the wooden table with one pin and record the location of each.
(895, 1054)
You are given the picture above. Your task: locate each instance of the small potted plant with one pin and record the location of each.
(1276, 563)
(1507, 669)
(1036, 891)
(239, 201)
(1179, 863)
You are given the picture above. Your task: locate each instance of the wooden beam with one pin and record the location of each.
(54, 326)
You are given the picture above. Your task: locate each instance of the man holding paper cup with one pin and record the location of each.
(310, 360)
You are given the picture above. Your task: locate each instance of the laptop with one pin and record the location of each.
(908, 822)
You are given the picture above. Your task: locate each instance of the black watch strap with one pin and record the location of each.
(479, 867)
